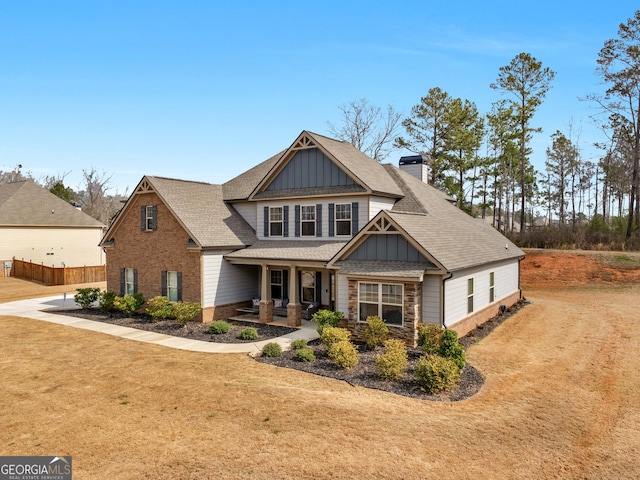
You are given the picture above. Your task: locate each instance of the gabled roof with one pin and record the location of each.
(369, 175)
(27, 204)
(199, 207)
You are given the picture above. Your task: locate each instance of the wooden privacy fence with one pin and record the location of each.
(58, 276)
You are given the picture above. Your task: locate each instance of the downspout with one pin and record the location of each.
(519, 275)
(443, 296)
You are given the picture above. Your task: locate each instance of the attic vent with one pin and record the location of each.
(303, 143)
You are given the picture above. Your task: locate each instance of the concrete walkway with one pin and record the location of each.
(33, 308)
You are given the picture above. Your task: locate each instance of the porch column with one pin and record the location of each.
(266, 305)
(294, 309)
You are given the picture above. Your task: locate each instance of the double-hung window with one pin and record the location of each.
(384, 300)
(275, 222)
(308, 220)
(276, 283)
(129, 281)
(172, 286)
(343, 219)
(469, 295)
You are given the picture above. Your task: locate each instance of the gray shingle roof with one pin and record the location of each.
(383, 268)
(314, 250)
(240, 187)
(452, 237)
(199, 206)
(27, 204)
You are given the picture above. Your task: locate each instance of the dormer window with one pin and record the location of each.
(275, 222)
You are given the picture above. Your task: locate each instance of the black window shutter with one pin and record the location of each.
(135, 280)
(179, 275)
(163, 283)
(331, 220)
(122, 280)
(143, 218)
(297, 220)
(354, 218)
(318, 287)
(285, 220)
(319, 220)
(154, 219)
(266, 221)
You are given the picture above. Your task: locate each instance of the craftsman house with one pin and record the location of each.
(37, 226)
(318, 225)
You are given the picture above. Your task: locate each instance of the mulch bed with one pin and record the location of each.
(363, 374)
(192, 330)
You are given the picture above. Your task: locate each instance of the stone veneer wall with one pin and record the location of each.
(467, 324)
(408, 332)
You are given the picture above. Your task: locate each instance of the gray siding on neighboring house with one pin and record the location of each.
(390, 247)
(308, 169)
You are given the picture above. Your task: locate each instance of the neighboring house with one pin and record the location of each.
(37, 226)
(318, 222)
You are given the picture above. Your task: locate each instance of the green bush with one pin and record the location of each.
(435, 373)
(375, 332)
(392, 364)
(159, 308)
(298, 344)
(430, 337)
(249, 333)
(450, 348)
(304, 354)
(105, 302)
(326, 317)
(218, 327)
(344, 354)
(129, 303)
(331, 335)
(86, 297)
(272, 349)
(184, 312)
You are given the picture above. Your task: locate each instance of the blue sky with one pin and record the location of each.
(204, 90)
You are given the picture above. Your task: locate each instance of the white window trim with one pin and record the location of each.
(336, 220)
(380, 303)
(303, 221)
(171, 286)
(470, 293)
(148, 218)
(129, 282)
(492, 284)
(273, 222)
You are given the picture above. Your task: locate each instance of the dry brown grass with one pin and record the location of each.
(560, 401)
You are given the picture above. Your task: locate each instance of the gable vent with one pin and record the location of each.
(303, 143)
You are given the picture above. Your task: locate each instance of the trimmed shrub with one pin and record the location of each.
(326, 317)
(375, 332)
(450, 348)
(304, 354)
(430, 337)
(344, 354)
(159, 308)
(298, 344)
(86, 297)
(331, 335)
(435, 373)
(218, 327)
(105, 302)
(184, 312)
(249, 333)
(272, 349)
(392, 364)
(129, 303)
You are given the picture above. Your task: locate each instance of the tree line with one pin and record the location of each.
(483, 160)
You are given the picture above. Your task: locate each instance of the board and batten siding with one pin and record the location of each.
(362, 215)
(505, 284)
(224, 283)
